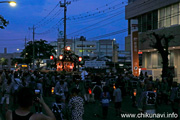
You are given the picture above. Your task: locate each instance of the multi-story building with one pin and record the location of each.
(108, 48)
(91, 49)
(163, 18)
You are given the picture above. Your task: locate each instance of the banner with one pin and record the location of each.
(134, 54)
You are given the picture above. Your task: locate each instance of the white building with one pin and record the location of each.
(91, 49)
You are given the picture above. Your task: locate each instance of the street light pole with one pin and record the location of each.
(12, 3)
(65, 10)
(113, 57)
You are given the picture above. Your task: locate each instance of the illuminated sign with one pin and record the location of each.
(24, 65)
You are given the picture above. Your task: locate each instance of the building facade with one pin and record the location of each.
(91, 49)
(163, 18)
(9, 57)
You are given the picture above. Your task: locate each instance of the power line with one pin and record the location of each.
(94, 14)
(101, 25)
(110, 34)
(12, 39)
(94, 24)
(97, 9)
(50, 30)
(95, 17)
(50, 19)
(47, 15)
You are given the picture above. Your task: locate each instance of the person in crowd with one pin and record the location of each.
(79, 84)
(164, 91)
(1, 82)
(60, 89)
(97, 90)
(76, 105)
(117, 94)
(157, 87)
(7, 88)
(39, 90)
(25, 102)
(59, 107)
(147, 102)
(105, 99)
(140, 90)
(84, 73)
(175, 98)
(47, 85)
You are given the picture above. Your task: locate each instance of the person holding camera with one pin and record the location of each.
(25, 101)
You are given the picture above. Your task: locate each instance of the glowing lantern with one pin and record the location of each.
(80, 59)
(51, 57)
(68, 48)
(90, 91)
(61, 57)
(114, 87)
(52, 90)
(71, 67)
(134, 93)
(155, 90)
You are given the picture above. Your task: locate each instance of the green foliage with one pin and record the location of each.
(3, 61)
(3, 22)
(43, 50)
(16, 60)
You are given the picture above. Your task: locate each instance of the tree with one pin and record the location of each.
(3, 22)
(161, 43)
(3, 61)
(16, 60)
(43, 50)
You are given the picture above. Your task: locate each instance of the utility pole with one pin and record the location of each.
(74, 45)
(33, 28)
(25, 48)
(82, 48)
(25, 42)
(65, 10)
(33, 46)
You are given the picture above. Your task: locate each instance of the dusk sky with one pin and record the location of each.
(94, 19)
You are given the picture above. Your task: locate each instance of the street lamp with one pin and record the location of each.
(113, 52)
(11, 3)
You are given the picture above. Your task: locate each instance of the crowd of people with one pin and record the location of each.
(71, 92)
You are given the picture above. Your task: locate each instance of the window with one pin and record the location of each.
(161, 17)
(89, 51)
(103, 46)
(144, 23)
(80, 45)
(140, 24)
(174, 14)
(155, 19)
(109, 46)
(149, 21)
(168, 16)
(129, 26)
(90, 45)
(81, 50)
